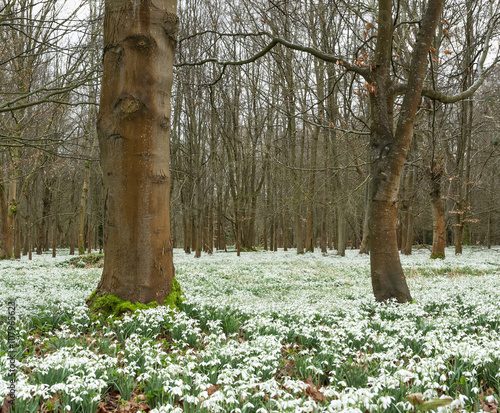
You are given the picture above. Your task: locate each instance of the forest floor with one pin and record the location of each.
(264, 332)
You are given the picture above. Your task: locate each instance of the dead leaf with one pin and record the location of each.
(212, 389)
(6, 407)
(313, 392)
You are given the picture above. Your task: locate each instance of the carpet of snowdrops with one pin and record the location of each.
(264, 332)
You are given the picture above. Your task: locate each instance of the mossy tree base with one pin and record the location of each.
(437, 255)
(110, 305)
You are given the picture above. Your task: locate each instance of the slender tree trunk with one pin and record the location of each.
(54, 228)
(438, 221)
(285, 230)
(341, 230)
(26, 238)
(210, 241)
(43, 228)
(83, 208)
(192, 228)
(6, 233)
(309, 244)
(29, 225)
(186, 232)
(488, 231)
(464, 143)
(409, 219)
(363, 249)
(403, 221)
(89, 235)
(134, 135)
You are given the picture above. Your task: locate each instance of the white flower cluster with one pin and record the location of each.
(266, 332)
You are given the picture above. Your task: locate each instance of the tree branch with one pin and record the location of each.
(294, 46)
(481, 71)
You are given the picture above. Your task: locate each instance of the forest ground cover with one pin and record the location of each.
(259, 333)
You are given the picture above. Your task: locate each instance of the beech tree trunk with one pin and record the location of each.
(134, 133)
(388, 148)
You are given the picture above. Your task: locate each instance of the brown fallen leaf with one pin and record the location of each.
(7, 406)
(212, 389)
(491, 407)
(313, 392)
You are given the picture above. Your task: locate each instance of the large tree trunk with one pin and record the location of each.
(388, 279)
(134, 134)
(388, 148)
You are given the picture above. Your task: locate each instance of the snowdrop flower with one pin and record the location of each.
(386, 401)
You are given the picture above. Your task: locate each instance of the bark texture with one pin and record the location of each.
(438, 217)
(389, 147)
(134, 133)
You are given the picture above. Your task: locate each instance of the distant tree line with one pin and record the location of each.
(271, 154)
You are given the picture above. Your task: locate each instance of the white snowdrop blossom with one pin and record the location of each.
(265, 331)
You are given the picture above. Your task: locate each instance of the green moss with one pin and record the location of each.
(108, 305)
(92, 258)
(437, 255)
(176, 296)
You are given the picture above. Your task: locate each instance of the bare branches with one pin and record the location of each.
(290, 45)
(434, 94)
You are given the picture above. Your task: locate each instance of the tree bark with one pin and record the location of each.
(388, 149)
(6, 233)
(409, 218)
(84, 198)
(363, 249)
(134, 134)
(438, 221)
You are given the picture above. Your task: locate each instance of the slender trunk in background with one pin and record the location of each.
(464, 140)
(54, 226)
(84, 198)
(43, 228)
(89, 235)
(409, 219)
(363, 249)
(438, 221)
(4, 209)
(403, 216)
(12, 220)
